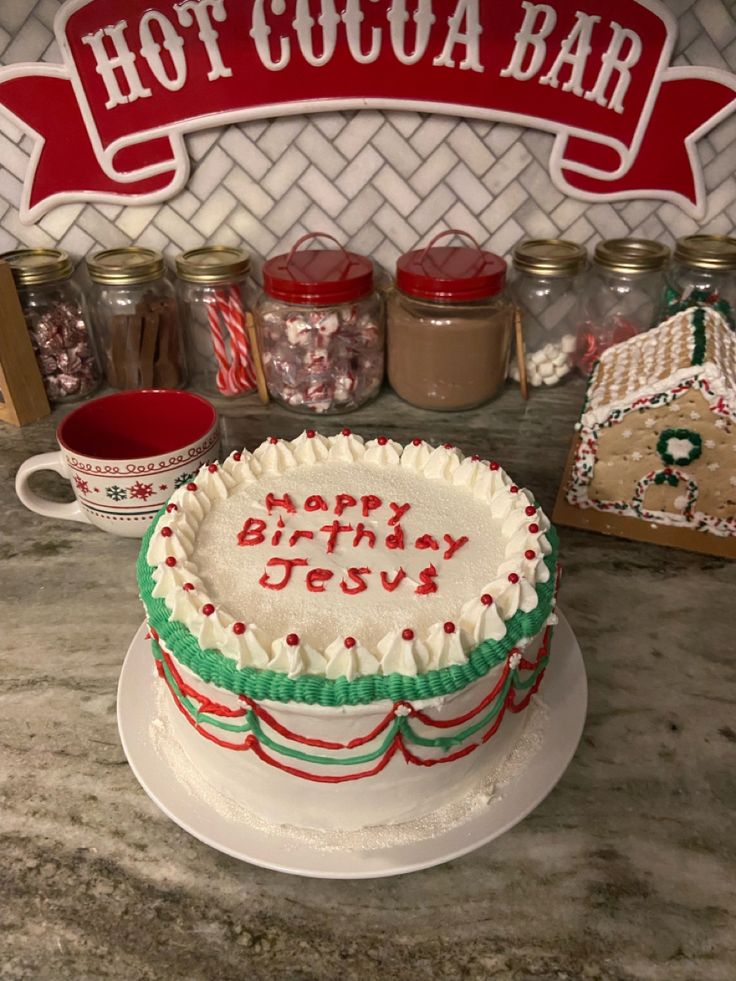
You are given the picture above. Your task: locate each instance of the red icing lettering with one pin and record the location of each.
(370, 503)
(356, 576)
(252, 532)
(390, 584)
(426, 541)
(343, 501)
(362, 532)
(399, 512)
(276, 537)
(427, 577)
(454, 544)
(284, 502)
(316, 579)
(299, 534)
(333, 531)
(315, 503)
(395, 539)
(288, 565)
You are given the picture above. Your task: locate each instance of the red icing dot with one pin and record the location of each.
(513, 489)
(530, 554)
(416, 442)
(273, 440)
(534, 529)
(513, 578)
(407, 633)
(486, 599)
(170, 508)
(449, 627)
(237, 457)
(292, 640)
(213, 468)
(530, 511)
(346, 431)
(448, 446)
(238, 628)
(493, 465)
(170, 560)
(189, 586)
(475, 458)
(166, 532)
(350, 642)
(382, 441)
(208, 609)
(191, 487)
(311, 433)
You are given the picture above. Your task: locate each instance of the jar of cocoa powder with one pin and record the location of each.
(450, 325)
(136, 319)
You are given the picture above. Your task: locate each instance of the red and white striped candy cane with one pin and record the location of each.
(223, 379)
(242, 374)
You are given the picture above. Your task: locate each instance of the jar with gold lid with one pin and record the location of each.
(546, 288)
(449, 325)
(58, 322)
(622, 296)
(216, 300)
(703, 271)
(136, 318)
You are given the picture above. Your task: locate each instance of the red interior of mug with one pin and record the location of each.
(134, 424)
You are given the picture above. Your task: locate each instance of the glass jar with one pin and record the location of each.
(622, 296)
(215, 300)
(703, 271)
(136, 319)
(449, 326)
(546, 289)
(58, 322)
(321, 329)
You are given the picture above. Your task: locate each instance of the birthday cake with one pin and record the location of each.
(348, 632)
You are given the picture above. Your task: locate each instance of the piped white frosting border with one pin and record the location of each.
(513, 588)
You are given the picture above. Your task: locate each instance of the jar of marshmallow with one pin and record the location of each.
(622, 295)
(321, 328)
(547, 288)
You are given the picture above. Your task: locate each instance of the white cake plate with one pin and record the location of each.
(564, 692)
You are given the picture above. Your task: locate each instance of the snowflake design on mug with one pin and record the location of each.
(141, 491)
(82, 485)
(183, 478)
(116, 493)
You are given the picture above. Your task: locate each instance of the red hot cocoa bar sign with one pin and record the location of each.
(109, 122)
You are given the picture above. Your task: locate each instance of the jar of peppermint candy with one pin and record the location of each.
(321, 329)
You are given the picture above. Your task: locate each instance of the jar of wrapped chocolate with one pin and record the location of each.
(321, 328)
(215, 300)
(546, 288)
(622, 295)
(58, 322)
(136, 319)
(450, 325)
(703, 271)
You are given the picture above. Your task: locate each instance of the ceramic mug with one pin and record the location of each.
(124, 455)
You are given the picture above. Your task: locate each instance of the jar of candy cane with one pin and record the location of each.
(622, 295)
(136, 319)
(215, 300)
(546, 289)
(321, 328)
(703, 271)
(58, 322)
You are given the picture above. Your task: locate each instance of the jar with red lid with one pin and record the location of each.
(450, 325)
(321, 328)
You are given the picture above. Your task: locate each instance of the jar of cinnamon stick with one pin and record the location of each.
(135, 315)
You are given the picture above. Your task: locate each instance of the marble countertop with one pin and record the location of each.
(626, 871)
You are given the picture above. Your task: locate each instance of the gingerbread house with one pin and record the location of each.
(658, 427)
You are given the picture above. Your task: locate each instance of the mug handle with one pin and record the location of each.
(49, 509)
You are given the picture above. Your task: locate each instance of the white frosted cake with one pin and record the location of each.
(349, 631)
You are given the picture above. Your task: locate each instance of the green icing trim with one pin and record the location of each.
(698, 336)
(696, 444)
(215, 668)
